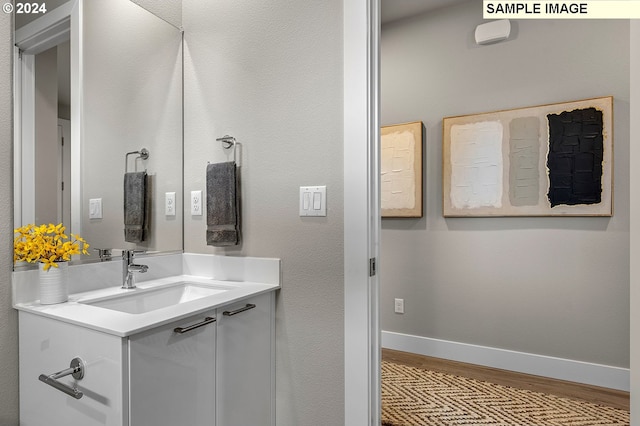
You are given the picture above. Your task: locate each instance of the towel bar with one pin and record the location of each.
(76, 369)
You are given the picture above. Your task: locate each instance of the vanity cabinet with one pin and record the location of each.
(245, 361)
(172, 373)
(194, 371)
(48, 346)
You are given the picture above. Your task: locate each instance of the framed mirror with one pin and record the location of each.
(96, 80)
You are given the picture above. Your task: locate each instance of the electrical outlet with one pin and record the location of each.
(196, 203)
(399, 306)
(170, 203)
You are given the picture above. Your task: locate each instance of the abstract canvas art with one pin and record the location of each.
(401, 170)
(548, 160)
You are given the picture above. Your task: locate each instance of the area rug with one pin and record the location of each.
(416, 397)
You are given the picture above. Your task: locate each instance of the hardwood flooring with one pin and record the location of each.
(598, 395)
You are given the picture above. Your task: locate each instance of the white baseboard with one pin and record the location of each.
(539, 365)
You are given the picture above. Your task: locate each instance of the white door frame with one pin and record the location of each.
(61, 24)
(634, 97)
(361, 212)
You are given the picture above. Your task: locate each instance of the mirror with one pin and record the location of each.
(125, 89)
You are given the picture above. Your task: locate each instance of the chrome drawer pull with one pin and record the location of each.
(76, 369)
(237, 311)
(207, 320)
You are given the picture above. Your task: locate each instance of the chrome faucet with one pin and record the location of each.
(128, 268)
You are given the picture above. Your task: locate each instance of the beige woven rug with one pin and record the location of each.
(416, 397)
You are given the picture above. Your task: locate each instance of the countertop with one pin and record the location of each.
(124, 324)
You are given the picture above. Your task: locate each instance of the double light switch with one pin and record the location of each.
(313, 201)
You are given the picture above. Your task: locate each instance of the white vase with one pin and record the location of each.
(53, 285)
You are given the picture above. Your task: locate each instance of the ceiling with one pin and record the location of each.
(392, 10)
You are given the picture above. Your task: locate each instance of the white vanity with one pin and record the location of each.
(192, 348)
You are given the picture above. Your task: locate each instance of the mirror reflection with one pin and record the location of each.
(108, 84)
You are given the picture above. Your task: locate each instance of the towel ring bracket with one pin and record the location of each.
(227, 143)
(143, 154)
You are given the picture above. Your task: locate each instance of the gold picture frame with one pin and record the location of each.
(547, 160)
(401, 170)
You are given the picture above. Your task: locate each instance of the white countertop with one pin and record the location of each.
(125, 324)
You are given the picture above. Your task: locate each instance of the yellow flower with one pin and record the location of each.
(46, 243)
(48, 263)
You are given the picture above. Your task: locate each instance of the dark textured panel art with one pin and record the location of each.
(575, 157)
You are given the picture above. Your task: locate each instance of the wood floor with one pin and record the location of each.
(598, 395)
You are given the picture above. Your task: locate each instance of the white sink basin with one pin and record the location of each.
(139, 301)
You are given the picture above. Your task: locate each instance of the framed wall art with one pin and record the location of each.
(548, 160)
(401, 170)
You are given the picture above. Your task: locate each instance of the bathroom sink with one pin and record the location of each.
(139, 301)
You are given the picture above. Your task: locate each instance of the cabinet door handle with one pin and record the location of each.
(207, 320)
(237, 311)
(76, 369)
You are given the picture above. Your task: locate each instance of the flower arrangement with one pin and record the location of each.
(47, 244)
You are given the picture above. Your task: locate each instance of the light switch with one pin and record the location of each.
(317, 200)
(95, 208)
(170, 203)
(313, 201)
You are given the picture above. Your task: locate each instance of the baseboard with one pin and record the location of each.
(539, 365)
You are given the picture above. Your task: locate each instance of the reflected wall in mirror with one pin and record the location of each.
(126, 94)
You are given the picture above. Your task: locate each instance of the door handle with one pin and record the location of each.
(76, 369)
(237, 311)
(207, 320)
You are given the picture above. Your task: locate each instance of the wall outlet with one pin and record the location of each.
(170, 203)
(399, 306)
(196, 203)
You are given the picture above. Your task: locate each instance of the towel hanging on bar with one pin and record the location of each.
(223, 213)
(136, 207)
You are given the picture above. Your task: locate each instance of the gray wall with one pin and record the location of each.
(9, 409)
(270, 74)
(550, 286)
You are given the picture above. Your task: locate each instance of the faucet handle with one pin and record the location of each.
(104, 254)
(130, 253)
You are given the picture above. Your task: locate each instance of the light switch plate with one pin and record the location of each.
(313, 201)
(95, 208)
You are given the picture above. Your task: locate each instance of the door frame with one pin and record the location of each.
(61, 24)
(361, 212)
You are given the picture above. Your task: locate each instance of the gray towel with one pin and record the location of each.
(223, 216)
(135, 206)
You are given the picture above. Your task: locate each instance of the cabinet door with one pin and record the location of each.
(172, 374)
(48, 346)
(245, 363)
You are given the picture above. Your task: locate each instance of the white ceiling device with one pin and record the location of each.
(493, 32)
